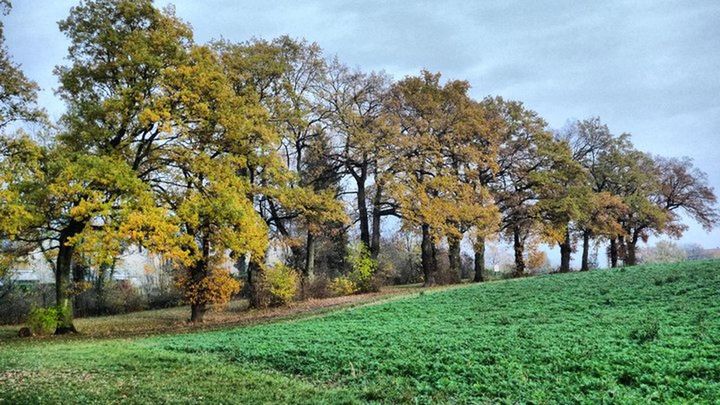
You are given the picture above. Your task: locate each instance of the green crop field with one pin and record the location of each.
(632, 335)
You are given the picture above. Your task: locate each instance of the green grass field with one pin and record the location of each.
(632, 335)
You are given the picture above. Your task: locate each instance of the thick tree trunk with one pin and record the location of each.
(631, 252)
(622, 250)
(376, 218)
(297, 259)
(63, 271)
(309, 268)
(63, 299)
(585, 265)
(519, 249)
(479, 248)
(454, 254)
(613, 253)
(427, 256)
(434, 262)
(565, 252)
(254, 276)
(199, 272)
(197, 313)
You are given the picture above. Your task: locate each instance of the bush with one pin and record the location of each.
(215, 288)
(362, 268)
(342, 286)
(117, 297)
(43, 321)
(165, 298)
(278, 285)
(320, 287)
(17, 300)
(399, 258)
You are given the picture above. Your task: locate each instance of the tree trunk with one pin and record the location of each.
(631, 252)
(613, 253)
(199, 273)
(565, 251)
(197, 312)
(63, 271)
(309, 268)
(585, 266)
(376, 217)
(362, 210)
(254, 276)
(622, 250)
(479, 248)
(519, 249)
(298, 259)
(63, 299)
(427, 256)
(454, 254)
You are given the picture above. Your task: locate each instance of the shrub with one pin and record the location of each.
(164, 298)
(119, 298)
(43, 321)
(319, 287)
(343, 286)
(215, 289)
(362, 268)
(17, 300)
(278, 286)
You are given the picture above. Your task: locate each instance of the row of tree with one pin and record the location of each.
(204, 153)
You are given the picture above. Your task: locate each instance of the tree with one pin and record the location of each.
(324, 182)
(471, 155)
(72, 204)
(563, 197)
(628, 175)
(292, 185)
(18, 102)
(601, 219)
(440, 143)
(591, 143)
(663, 252)
(663, 188)
(355, 100)
(204, 181)
(119, 51)
(685, 189)
(523, 141)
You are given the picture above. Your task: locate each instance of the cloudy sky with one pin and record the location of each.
(650, 68)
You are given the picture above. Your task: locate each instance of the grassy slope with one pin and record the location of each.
(565, 338)
(175, 320)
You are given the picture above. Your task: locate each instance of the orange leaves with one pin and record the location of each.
(214, 288)
(444, 141)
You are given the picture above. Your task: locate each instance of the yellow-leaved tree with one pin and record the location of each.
(204, 181)
(442, 141)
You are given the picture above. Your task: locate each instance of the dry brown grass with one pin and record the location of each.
(175, 320)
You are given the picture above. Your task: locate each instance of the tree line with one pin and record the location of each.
(205, 153)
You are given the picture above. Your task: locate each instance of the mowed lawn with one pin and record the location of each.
(648, 333)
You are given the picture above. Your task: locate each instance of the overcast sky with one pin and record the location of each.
(650, 68)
